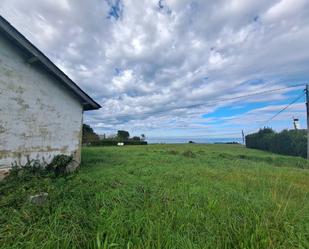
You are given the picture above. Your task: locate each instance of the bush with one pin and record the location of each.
(130, 142)
(114, 143)
(287, 142)
(29, 169)
(37, 168)
(59, 163)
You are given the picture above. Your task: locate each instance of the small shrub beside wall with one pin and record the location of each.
(57, 167)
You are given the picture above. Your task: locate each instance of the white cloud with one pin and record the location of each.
(152, 65)
(285, 8)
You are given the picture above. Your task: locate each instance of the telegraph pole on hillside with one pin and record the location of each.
(307, 110)
(243, 137)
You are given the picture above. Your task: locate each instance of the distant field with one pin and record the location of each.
(164, 196)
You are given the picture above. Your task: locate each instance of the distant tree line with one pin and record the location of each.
(286, 142)
(91, 138)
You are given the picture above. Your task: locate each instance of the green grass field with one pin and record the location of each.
(163, 196)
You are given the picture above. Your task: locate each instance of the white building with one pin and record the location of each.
(41, 108)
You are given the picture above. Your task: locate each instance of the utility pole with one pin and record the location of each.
(307, 106)
(243, 137)
(296, 123)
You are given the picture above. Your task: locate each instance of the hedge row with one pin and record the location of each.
(114, 143)
(287, 142)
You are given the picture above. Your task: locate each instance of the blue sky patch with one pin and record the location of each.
(115, 9)
(234, 110)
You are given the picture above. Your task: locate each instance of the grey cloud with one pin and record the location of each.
(153, 67)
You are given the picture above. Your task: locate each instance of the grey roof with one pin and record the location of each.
(34, 55)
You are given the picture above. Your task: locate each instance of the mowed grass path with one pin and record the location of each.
(164, 196)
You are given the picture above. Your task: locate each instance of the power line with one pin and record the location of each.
(249, 95)
(214, 101)
(283, 109)
(278, 113)
(235, 98)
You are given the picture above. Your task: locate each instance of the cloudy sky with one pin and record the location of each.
(159, 67)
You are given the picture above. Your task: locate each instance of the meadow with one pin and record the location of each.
(163, 196)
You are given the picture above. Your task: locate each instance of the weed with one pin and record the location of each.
(38, 168)
(59, 164)
(29, 169)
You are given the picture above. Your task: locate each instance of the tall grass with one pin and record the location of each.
(163, 196)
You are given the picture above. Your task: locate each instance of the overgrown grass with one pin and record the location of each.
(163, 196)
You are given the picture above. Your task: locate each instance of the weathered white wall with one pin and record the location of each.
(39, 118)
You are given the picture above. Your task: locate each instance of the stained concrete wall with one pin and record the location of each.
(39, 117)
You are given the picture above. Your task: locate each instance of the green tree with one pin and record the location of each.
(89, 136)
(123, 135)
(136, 138)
